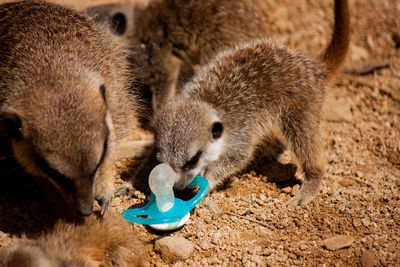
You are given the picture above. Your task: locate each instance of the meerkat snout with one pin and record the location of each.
(191, 157)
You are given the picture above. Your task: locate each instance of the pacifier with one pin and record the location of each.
(164, 211)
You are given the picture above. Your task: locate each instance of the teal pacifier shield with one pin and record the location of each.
(149, 214)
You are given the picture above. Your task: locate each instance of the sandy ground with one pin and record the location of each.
(360, 193)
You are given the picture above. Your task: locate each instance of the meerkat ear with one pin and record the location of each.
(217, 130)
(117, 18)
(13, 126)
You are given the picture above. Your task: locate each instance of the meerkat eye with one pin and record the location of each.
(103, 155)
(12, 125)
(217, 130)
(118, 23)
(192, 162)
(103, 92)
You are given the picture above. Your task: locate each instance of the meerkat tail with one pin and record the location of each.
(336, 51)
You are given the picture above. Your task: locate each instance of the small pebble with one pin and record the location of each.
(263, 230)
(357, 222)
(369, 259)
(173, 248)
(295, 188)
(303, 247)
(204, 245)
(136, 193)
(208, 220)
(259, 202)
(346, 182)
(287, 189)
(199, 234)
(366, 222)
(214, 261)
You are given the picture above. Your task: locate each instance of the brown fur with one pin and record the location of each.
(256, 92)
(53, 65)
(109, 241)
(171, 39)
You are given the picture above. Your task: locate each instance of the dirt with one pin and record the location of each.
(360, 193)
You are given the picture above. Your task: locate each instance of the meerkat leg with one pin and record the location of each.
(104, 185)
(303, 140)
(228, 165)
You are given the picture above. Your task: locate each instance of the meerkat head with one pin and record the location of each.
(189, 137)
(59, 129)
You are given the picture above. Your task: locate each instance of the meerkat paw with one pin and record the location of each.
(104, 196)
(302, 198)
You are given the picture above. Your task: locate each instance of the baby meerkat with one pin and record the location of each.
(65, 104)
(256, 92)
(109, 241)
(173, 38)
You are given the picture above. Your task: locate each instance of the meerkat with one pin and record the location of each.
(108, 241)
(256, 92)
(171, 39)
(66, 109)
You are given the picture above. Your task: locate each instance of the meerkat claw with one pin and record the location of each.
(125, 189)
(105, 204)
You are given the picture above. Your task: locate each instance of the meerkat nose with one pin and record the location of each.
(85, 209)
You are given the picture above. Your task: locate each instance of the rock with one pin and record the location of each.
(359, 174)
(215, 238)
(173, 248)
(303, 247)
(357, 222)
(338, 242)
(263, 197)
(295, 189)
(366, 221)
(204, 245)
(248, 236)
(214, 261)
(136, 193)
(346, 182)
(287, 189)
